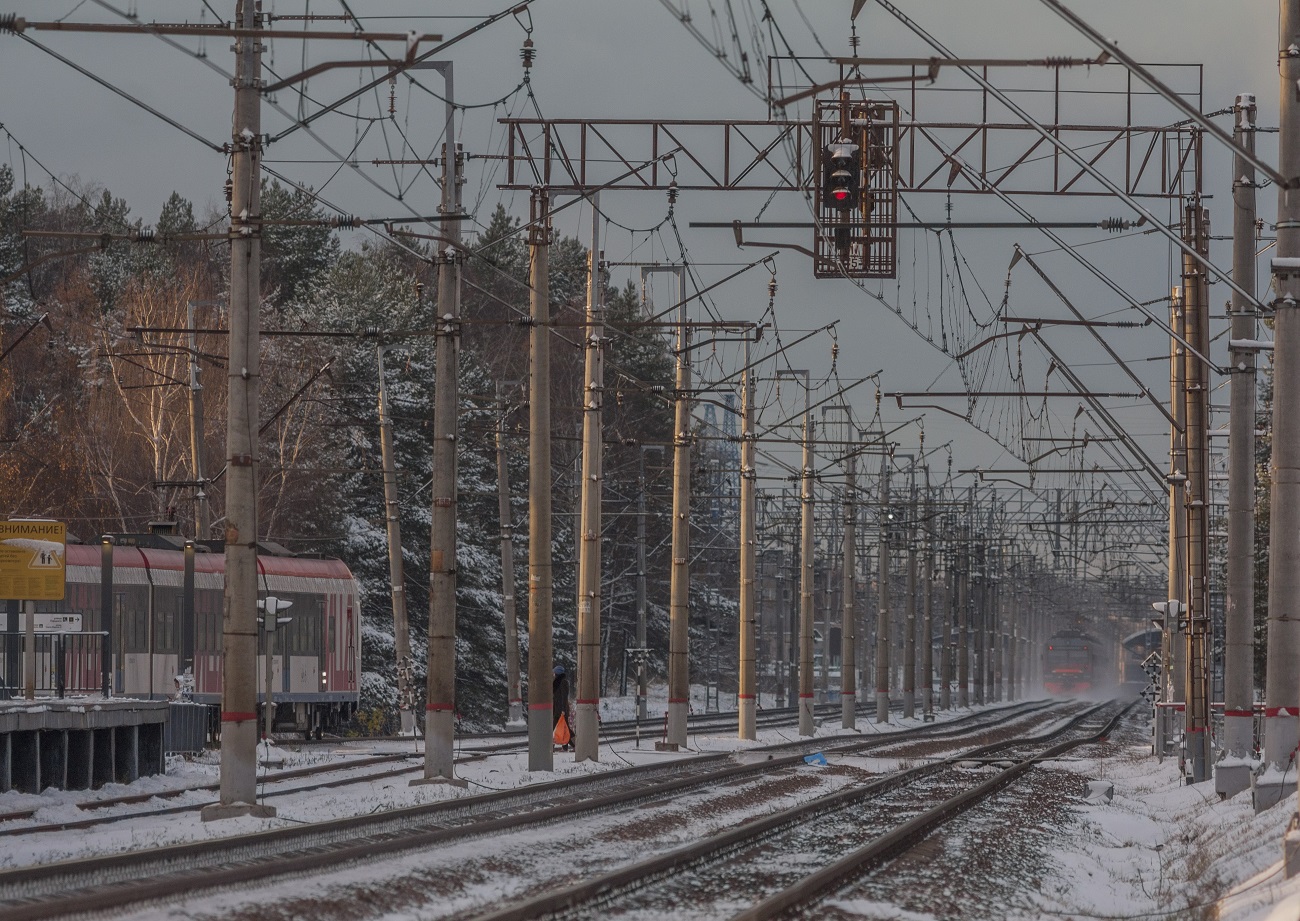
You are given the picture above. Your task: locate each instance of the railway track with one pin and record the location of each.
(96, 884)
(765, 859)
(769, 719)
(648, 728)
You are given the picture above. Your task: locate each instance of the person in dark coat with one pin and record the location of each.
(560, 702)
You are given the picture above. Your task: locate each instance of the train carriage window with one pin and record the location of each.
(166, 618)
(135, 619)
(214, 603)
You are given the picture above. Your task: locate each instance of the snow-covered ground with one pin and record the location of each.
(1157, 850)
(495, 772)
(1163, 850)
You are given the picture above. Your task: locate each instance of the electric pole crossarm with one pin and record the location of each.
(1049, 136)
(514, 8)
(1096, 335)
(834, 396)
(1116, 429)
(1150, 79)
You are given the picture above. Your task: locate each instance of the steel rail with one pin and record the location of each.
(583, 896)
(909, 834)
(467, 756)
(101, 883)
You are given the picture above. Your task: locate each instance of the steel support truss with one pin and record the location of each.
(1150, 161)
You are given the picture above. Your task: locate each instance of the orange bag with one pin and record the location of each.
(562, 734)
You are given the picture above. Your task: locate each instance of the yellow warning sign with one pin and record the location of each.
(32, 555)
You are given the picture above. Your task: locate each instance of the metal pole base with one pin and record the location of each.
(586, 741)
(1232, 773)
(1198, 755)
(238, 763)
(909, 705)
(848, 712)
(1231, 779)
(882, 706)
(1270, 788)
(449, 781)
(439, 743)
(1275, 782)
(806, 725)
(541, 739)
(748, 729)
(677, 723)
(215, 812)
(516, 711)
(408, 722)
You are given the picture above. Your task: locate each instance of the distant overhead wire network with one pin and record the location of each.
(949, 308)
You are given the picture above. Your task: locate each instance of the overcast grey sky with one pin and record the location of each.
(634, 60)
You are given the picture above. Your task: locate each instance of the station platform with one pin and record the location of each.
(79, 743)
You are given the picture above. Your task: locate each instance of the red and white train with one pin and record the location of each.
(162, 629)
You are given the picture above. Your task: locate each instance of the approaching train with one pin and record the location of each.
(1070, 662)
(167, 622)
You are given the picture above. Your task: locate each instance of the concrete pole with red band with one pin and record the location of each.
(587, 741)
(238, 795)
(541, 754)
(440, 706)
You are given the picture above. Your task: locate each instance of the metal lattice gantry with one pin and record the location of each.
(1148, 157)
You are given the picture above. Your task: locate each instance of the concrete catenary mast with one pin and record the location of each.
(1232, 773)
(239, 623)
(541, 754)
(882, 598)
(1282, 691)
(587, 739)
(396, 575)
(806, 574)
(746, 695)
(440, 682)
(514, 691)
(679, 674)
(1196, 316)
(848, 599)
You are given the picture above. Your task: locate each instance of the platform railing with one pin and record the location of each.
(66, 663)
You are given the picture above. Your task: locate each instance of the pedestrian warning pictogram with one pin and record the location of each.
(32, 555)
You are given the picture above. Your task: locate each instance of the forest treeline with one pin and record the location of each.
(96, 411)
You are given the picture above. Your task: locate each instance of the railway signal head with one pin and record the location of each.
(842, 175)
